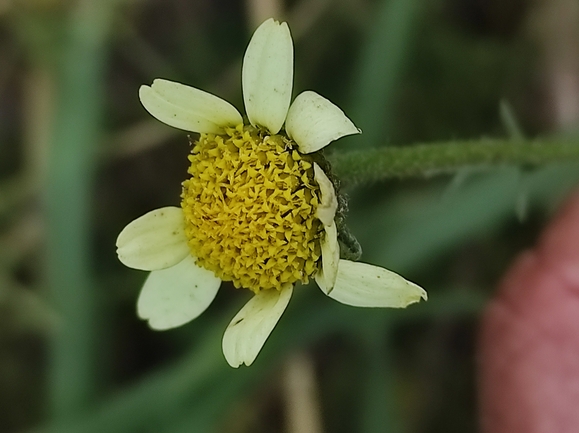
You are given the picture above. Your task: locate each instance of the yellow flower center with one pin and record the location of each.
(250, 207)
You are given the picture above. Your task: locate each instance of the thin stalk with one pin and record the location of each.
(423, 160)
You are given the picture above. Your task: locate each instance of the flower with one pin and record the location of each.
(258, 208)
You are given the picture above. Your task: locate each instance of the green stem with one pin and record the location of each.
(76, 133)
(381, 63)
(424, 160)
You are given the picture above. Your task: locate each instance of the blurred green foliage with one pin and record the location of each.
(80, 158)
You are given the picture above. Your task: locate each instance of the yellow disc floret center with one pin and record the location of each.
(250, 207)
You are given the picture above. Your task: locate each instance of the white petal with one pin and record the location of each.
(188, 108)
(313, 122)
(154, 241)
(174, 296)
(326, 277)
(328, 201)
(267, 75)
(363, 285)
(247, 332)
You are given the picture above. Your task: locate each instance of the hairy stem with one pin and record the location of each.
(423, 160)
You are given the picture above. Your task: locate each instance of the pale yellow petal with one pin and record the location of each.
(313, 122)
(188, 108)
(174, 296)
(363, 285)
(328, 202)
(326, 277)
(250, 328)
(154, 241)
(267, 75)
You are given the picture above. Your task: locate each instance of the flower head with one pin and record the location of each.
(257, 209)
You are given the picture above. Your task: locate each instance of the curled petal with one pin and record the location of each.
(154, 241)
(326, 277)
(188, 108)
(267, 75)
(249, 329)
(174, 296)
(313, 122)
(363, 285)
(328, 201)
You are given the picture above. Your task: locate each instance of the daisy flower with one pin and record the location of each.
(258, 208)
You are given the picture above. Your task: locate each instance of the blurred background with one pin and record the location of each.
(80, 158)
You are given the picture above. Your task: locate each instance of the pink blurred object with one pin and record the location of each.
(529, 340)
